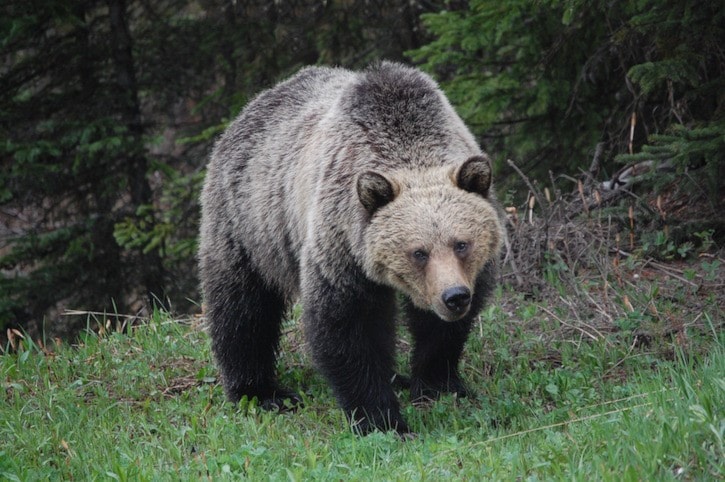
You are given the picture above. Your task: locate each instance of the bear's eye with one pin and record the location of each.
(460, 247)
(420, 256)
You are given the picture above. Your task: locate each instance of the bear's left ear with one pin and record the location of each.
(375, 191)
(474, 175)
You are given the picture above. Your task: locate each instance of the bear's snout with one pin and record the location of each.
(457, 299)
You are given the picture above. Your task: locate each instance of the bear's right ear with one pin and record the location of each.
(474, 175)
(374, 191)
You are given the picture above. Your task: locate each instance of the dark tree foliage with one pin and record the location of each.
(108, 109)
(544, 82)
(107, 112)
(73, 158)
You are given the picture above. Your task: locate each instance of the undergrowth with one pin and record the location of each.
(555, 398)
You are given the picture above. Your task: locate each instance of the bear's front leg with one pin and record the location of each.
(351, 331)
(437, 349)
(438, 345)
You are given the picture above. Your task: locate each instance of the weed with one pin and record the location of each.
(594, 367)
(711, 269)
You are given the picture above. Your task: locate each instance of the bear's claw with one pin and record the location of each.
(363, 423)
(282, 400)
(422, 392)
(400, 381)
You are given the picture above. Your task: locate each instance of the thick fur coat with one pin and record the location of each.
(342, 188)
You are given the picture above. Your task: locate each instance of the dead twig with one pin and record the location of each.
(537, 194)
(509, 257)
(658, 266)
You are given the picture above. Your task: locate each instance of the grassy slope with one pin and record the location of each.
(146, 406)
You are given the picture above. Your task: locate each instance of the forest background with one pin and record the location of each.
(108, 110)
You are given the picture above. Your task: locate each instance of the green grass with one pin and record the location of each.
(145, 405)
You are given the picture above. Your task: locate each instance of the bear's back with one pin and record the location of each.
(405, 119)
(283, 173)
(258, 185)
(274, 112)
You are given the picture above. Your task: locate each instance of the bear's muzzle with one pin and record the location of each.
(457, 299)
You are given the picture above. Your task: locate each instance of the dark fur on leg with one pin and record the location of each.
(437, 349)
(438, 345)
(244, 318)
(352, 335)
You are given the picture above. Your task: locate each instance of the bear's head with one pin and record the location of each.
(430, 232)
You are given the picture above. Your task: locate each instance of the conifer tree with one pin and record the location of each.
(545, 82)
(73, 160)
(107, 111)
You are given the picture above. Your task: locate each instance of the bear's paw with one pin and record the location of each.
(423, 392)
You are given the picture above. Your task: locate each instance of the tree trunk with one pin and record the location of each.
(149, 264)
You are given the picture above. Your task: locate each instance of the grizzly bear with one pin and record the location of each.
(341, 189)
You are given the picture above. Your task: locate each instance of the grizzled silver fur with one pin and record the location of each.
(342, 188)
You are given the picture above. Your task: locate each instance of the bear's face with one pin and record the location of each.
(430, 233)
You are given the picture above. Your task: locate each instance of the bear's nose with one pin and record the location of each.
(457, 298)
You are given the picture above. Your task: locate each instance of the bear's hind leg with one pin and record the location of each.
(244, 317)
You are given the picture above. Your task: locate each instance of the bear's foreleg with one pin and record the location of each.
(244, 318)
(438, 345)
(351, 332)
(437, 349)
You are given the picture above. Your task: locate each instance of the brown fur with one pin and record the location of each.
(414, 220)
(341, 189)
